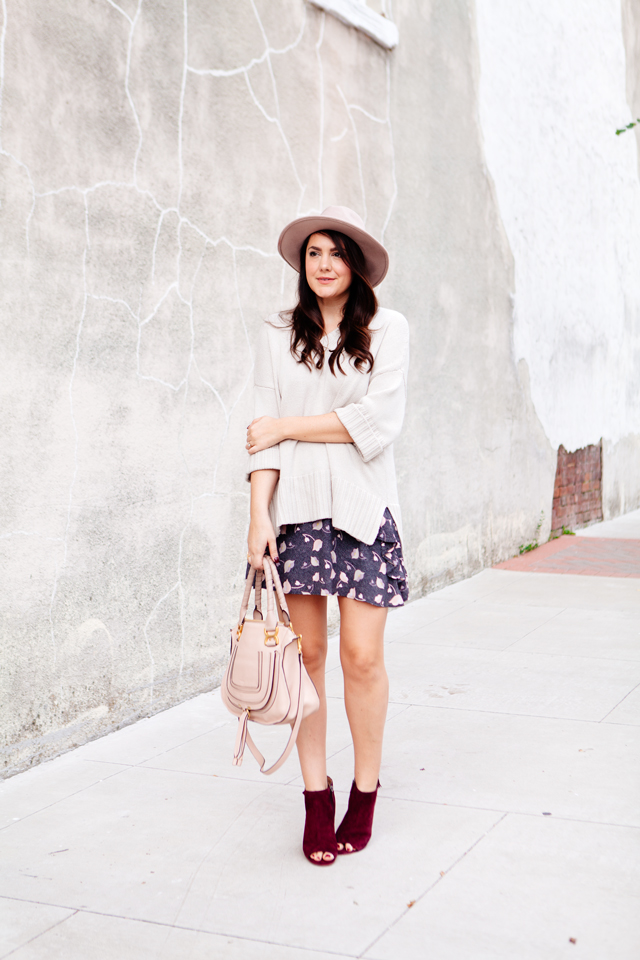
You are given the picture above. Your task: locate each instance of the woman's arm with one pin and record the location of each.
(266, 432)
(261, 532)
(376, 420)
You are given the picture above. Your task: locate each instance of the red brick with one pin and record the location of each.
(577, 488)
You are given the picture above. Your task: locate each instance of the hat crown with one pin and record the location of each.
(343, 220)
(344, 213)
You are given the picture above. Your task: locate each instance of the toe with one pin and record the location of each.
(316, 856)
(340, 846)
(348, 848)
(328, 857)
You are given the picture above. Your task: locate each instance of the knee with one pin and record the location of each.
(362, 666)
(314, 657)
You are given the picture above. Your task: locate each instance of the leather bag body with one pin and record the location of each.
(266, 680)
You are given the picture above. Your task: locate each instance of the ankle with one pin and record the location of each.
(317, 785)
(366, 784)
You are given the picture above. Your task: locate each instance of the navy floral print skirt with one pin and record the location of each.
(315, 558)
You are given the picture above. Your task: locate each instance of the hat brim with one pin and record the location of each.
(296, 232)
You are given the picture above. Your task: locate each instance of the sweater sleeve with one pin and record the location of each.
(375, 421)
(266, 402)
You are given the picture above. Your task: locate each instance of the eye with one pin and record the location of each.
(336, 253)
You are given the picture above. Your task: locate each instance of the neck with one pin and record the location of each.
(332, 310)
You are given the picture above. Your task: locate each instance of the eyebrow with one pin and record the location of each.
(312, 246)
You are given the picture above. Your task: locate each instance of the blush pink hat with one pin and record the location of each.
(343, 220)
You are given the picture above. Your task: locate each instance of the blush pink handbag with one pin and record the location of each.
(265, 679)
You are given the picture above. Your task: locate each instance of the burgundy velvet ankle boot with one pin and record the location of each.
(355, 829)
(319, 826)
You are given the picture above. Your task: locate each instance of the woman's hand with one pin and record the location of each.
(261, 536)
(262, 433)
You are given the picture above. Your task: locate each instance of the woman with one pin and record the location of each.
(330, 387)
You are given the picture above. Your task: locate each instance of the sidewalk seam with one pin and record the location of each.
(434, 884)
(74, 911)
(75, 793)
(618, 704)
(162, 923)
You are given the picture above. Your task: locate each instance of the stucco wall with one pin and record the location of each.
(554, 86)
(151, 152)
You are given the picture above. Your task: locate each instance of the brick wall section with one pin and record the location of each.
(577, 495)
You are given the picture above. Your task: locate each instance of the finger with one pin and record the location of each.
(273, 549)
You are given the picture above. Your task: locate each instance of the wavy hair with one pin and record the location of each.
(307, 326)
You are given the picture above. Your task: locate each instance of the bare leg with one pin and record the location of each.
(309, 618)
(366, 686)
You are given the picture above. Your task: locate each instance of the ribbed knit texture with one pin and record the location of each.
(349, 483)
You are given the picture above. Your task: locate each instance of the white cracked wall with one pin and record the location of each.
(552, 94)
(150, 152)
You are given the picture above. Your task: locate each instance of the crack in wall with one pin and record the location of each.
(312, 27)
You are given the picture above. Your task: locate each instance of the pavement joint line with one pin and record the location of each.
(505, 713)
(400, 713)
(75, 793)
(514, 813)
(171, 926)
(434, 884)
(522, 653)
(223, 723)
(42, 932)
(385, 797)
(530, 653)
(594, 823)
(619, 723)
(533, 629)
(621, 701)
(410, 633)
(581, 656)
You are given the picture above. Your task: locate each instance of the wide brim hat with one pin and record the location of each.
(343, 220)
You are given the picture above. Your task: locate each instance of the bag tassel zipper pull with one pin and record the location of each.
(241, 739)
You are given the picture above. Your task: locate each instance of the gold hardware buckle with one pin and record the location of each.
(239, 630)
(271, 635)
(299, 639)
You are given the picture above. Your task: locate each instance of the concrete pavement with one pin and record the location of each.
(508, 826)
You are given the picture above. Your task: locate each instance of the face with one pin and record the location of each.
(327, 274)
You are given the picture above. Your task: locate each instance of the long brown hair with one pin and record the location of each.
(307, 326)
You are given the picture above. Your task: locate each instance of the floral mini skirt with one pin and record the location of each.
(317, 559)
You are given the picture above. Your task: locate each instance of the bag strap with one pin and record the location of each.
(274, 592)
(257, 610)
(248, 584)
(244, 737)
(281, 602)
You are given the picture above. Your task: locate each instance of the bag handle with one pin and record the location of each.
(248, 584)
(257, 610)
(274, 591)
(281, 602)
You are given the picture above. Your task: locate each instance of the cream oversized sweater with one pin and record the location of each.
(351, 483)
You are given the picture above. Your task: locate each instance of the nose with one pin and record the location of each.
(325, 260)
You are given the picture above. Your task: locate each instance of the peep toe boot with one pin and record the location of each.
(355, 829)
(319, 827)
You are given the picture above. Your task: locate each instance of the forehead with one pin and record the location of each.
(320, 240)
